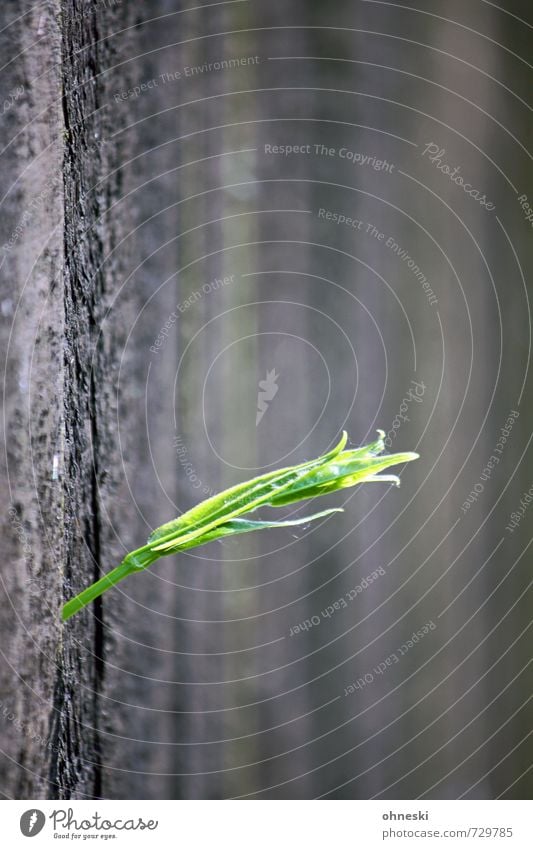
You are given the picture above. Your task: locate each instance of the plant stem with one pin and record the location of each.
(133, 562)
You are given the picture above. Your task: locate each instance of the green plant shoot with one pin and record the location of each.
(222, 515)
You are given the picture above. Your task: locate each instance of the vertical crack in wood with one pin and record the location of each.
(76, 761)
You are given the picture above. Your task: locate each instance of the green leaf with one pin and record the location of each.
(235, 501)
(347, 469)
(243, 526)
